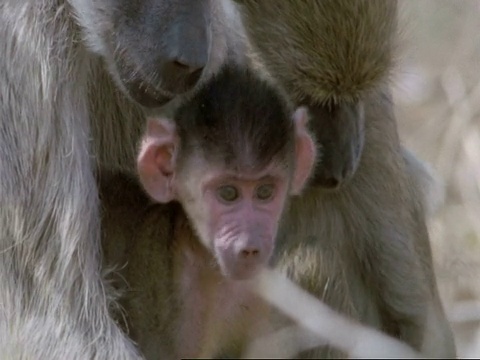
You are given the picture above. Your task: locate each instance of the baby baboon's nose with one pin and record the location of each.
(249, 253)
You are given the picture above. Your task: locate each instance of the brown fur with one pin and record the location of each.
(334, 51)
(367, 253)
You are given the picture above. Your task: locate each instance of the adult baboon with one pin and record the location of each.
(72, 75)
(363, 248)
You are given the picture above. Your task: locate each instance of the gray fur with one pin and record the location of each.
(61, 115)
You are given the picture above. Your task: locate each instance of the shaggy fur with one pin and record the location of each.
(335, 51)
(61, 115)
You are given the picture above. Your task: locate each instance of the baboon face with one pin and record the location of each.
(155, 49)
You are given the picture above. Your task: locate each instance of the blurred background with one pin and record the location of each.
(437, 92)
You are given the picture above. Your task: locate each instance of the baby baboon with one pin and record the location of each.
(230, 157)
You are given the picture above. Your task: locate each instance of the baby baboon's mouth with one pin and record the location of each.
(241, 273)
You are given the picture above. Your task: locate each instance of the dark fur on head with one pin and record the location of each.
(238, 118)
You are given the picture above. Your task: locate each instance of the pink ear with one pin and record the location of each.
(305, 151)
(156, 161)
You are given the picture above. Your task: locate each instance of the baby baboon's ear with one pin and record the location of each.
(305, 151)
(156, 161)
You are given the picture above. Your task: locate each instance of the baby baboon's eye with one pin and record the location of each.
(264, 192)
(228, 193)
